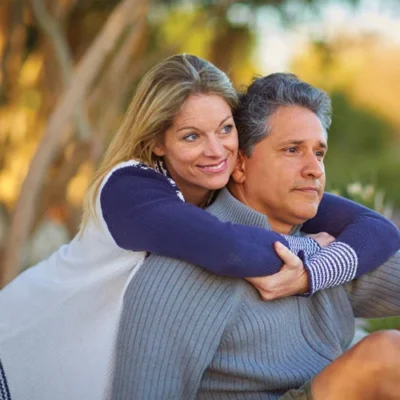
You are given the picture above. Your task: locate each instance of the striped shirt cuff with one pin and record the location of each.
(302, 243)
(331, 266)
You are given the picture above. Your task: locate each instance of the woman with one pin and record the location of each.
(148, 131)
(59, 319)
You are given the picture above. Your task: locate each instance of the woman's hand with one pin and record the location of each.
(322, 238)
(291, 279)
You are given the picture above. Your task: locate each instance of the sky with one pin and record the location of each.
(277, 43)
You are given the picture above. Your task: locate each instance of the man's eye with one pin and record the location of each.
(191, 137)
(320, 154)
(227, 128)
(291, 149)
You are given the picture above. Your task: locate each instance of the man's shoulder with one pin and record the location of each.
(166, 289)
(178, 278)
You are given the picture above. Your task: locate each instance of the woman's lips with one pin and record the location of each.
(214, 168)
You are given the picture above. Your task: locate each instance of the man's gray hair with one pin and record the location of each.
(265, 95)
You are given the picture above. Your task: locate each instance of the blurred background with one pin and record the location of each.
(68, 69)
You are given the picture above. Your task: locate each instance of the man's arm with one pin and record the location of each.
(377, 294)
(173, 318)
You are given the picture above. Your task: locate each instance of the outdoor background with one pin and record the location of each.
(68, 69)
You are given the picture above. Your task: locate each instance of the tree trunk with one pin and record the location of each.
(83, 77)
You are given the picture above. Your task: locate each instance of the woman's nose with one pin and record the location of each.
(214, 147)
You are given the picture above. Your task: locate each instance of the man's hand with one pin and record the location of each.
(291, 279)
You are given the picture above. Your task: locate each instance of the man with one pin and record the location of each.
(186, 333)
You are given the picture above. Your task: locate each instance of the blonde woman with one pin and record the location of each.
(176, 146)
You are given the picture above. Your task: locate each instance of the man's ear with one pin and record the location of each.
(238, 174)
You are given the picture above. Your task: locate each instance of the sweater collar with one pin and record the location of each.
(228, 208)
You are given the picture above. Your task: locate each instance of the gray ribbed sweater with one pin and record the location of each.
(186, 333)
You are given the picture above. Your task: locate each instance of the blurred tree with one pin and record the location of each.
(364, 140)
(361, 148)
(60, 59)
(81, 82)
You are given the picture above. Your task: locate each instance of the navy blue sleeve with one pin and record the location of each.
(374, 238)
(143, 213)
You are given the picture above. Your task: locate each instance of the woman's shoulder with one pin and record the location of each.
(133, 166)
(136, 173)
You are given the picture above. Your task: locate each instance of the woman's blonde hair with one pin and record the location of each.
(157, 101)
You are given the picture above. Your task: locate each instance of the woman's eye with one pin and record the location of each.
(227, 128)
(191, 137)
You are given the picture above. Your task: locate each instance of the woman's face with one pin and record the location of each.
(200, 148)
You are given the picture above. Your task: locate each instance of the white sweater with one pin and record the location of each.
(59, 319)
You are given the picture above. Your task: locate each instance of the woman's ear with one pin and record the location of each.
(238, 174)
(158, 149)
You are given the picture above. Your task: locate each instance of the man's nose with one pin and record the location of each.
(313, 167)
(214, 147)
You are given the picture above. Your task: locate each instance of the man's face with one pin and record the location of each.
(284, 178)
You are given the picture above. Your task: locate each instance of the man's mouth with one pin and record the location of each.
(214, 168)
(309, 189)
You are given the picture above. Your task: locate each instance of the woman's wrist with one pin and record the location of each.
(305, 244)
(333, 265)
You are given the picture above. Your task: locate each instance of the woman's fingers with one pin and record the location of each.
(322, 238)
(291, 279)
(288, 258)
(284, 283)
(265, 285)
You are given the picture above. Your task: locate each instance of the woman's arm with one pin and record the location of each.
(364, 241)
(143, 212)
(372, 237)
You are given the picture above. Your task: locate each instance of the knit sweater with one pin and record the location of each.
(59, 319)
(186, 333)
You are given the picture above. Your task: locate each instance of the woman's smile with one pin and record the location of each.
(215, 168)
(200, 148)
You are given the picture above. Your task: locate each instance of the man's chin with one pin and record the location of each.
(303, 214)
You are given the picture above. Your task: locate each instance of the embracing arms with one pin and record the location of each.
(373, 237)
(144, 213)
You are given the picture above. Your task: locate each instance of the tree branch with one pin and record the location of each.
(123, 16)
(63, 54)
(12, 45)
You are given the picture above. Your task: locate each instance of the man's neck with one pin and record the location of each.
(278, 226)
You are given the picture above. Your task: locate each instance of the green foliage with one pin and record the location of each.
(362, 148)
(377, 324)
(369, 196)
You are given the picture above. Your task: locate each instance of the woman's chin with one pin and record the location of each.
(217, 183)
